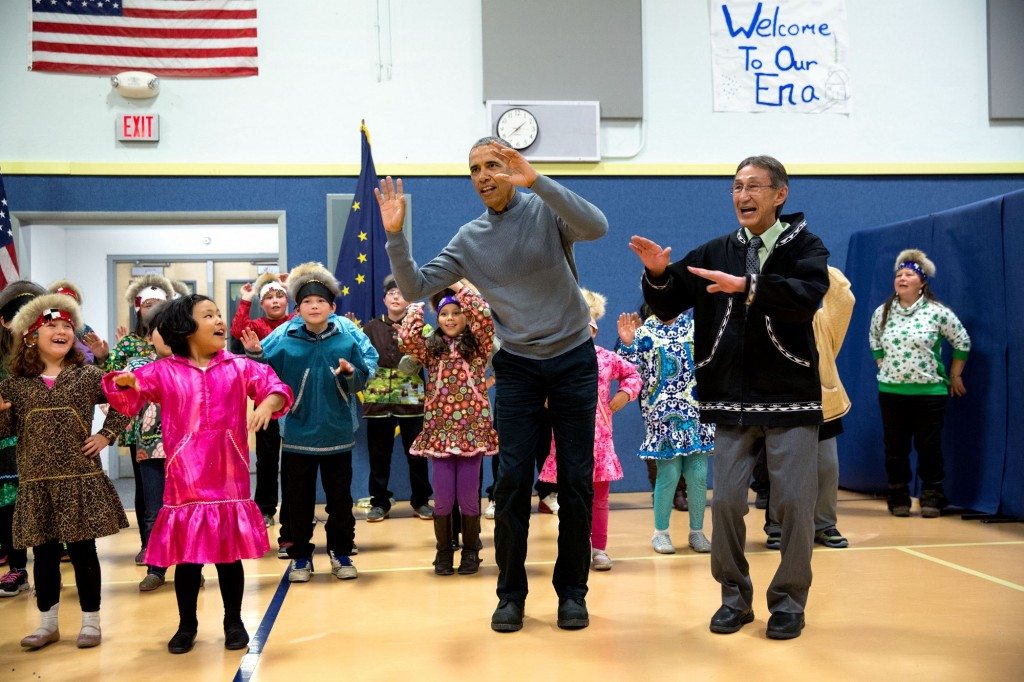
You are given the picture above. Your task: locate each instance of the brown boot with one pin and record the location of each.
(471, 545)
(445, 557)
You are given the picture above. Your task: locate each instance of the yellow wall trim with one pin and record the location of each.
(455, 169)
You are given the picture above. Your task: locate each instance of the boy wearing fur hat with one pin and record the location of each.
(393, 399)
(142, 294)
(323, 365)
(269, 288)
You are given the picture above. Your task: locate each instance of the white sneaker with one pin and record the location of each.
(600, 561)
(699, 542)
(662, 543)
(342, 568)
(548, 505)
(489, 512)
(300, 570)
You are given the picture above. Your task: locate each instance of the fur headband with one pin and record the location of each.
(147, 282)
(266, 282)
(908, 258)
(15, 295)
(29, 317)
(68, 288)
(312, 279)
(596, 302)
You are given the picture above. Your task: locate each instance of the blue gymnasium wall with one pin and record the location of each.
(678, 211)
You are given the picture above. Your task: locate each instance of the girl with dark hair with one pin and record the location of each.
(208, 516)
(913, 386)
(64, 496)
(457, 430)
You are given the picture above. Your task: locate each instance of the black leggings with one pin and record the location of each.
(187, 578)
(16, 558)
(46, 571)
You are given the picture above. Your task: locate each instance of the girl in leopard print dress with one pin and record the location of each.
(64, 495)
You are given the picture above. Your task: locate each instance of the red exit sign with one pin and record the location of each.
(137, 127)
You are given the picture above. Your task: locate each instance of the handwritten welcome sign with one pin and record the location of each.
(787, 55)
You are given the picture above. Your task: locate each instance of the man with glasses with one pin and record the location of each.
(754, 293)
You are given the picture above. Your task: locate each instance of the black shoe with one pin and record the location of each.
(182, 642)
(784, 625)
(235, 637)
(774, 541)
(899, 501)
(761, 499)
(932, 503)
(508, 617)
(728, 620)
(572, 614)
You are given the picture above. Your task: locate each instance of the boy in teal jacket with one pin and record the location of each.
(322, 363)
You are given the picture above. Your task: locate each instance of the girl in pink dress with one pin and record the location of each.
(610, 367)
(208, 516)
(457, 430)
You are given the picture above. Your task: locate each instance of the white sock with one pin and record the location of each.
(659, 532)
(91, 619)
(48, 620)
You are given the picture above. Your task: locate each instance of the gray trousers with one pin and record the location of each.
(792, 471)
(825, 515)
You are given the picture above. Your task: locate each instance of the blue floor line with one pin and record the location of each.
(259, 640)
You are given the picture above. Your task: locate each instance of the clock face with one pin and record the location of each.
(518, 127)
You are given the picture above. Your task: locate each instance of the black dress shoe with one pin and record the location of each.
(235, 636)
(728, 620)
(182, 642)
(508, 617)
(572, 614)
(783, 625)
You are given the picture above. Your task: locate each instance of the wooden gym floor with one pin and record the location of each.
(927, 599)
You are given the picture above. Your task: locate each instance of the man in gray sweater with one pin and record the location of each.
(519, 255)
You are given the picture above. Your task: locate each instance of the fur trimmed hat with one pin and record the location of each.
(312, 279)
(596, 302)
(15, 295)
(180, 289)
(66, 287)
(909, 258)
(41, 309)
(146, 287)
(268, 278)
(389, 283)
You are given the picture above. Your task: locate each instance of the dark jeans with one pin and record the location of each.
(152, 472)
(16, 558)
(917, 419)
(380, 440)
(568, 383)
(46, 572)
(187, 580)
(140, 499)
(268, 452)
(336, 477)
(543, 489)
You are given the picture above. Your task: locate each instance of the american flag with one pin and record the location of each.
(8, 256)
(187, 38)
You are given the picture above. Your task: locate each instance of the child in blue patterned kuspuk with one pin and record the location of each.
(676, 440)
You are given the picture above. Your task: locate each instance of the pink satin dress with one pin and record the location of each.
(208, 514)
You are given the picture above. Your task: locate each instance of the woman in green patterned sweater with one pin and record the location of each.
(913, 385)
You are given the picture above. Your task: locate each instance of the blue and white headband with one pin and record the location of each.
(912, 265)
(446, 300)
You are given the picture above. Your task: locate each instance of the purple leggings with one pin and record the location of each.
(451, 476)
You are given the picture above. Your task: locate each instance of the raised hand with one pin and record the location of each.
(100, 348)
(120, 333)
(654, 258)
(627, 324)
(94, 444)
(125, 380)
(247, 292)
(520, 172)
(391, 199)
(721, 282)
(251, 342)
(345, 368)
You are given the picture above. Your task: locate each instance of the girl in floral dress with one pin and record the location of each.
(610, 368)
(457, 431)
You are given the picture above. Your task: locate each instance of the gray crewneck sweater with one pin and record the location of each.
(519, 259)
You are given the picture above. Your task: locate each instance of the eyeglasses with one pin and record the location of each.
(749, 189)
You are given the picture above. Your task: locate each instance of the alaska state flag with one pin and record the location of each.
(362, 261)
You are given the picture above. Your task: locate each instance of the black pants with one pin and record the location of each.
(336, 477)
(46, 572)
(268, 453)
(543, 488)
(380, 440)
(140, 498)
(187, 579)
(568, 382)
(16, 558)
(913, 419)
